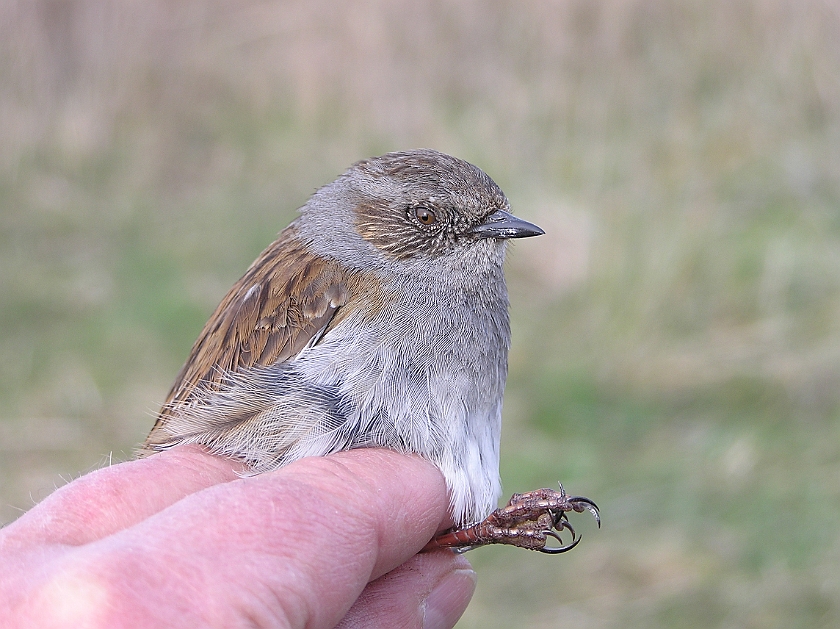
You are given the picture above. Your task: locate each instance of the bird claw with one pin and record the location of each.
(581, 504)
(556, 550)
(527, 521)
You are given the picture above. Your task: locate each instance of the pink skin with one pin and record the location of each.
(180, 540)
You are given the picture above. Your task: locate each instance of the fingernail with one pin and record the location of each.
(448, 600)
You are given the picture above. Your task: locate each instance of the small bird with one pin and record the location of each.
(378, 318)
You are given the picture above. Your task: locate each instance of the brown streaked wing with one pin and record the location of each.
(284, 299)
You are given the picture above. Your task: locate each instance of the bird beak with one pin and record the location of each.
(501, 224)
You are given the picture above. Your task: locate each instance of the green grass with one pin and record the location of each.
(676, 352)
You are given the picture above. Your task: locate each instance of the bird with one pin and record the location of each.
(377, 318)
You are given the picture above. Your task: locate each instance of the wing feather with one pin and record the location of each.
(286, 298)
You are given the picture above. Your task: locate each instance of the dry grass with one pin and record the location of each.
(677, 332)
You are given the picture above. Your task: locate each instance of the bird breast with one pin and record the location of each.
(425, 373)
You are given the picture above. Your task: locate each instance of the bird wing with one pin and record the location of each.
(285, 300)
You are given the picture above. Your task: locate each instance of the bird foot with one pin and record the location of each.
(528, 521)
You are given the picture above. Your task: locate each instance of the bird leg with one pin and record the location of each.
(528, 521)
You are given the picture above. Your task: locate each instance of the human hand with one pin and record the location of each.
(181, 540)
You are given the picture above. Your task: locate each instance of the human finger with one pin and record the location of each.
(117, 497)
(429, 591)
(291, 548)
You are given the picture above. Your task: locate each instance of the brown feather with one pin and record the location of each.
(286, 297)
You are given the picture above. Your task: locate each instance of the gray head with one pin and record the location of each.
(409, 207)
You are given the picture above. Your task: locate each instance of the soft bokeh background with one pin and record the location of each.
(676, 349)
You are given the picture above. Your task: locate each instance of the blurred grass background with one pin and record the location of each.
(676, 352)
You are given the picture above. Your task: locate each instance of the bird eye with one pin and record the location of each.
(425, 215)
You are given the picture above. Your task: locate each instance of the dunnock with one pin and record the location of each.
(379, 317)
